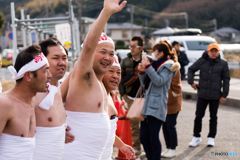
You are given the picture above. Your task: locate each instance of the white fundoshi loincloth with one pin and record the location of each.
(16, 147)
(91, 131)
(108, 151)
(49, 143)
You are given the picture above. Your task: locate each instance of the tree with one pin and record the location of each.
(1, 21)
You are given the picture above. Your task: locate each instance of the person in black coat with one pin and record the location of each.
(213, 87)
(182, 58)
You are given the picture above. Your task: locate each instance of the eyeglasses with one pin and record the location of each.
(132, 47)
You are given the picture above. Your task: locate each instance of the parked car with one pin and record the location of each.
(122, 53)
(194, 46)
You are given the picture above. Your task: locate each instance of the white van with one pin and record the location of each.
(194, 45)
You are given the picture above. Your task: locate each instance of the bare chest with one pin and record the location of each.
(22, 123)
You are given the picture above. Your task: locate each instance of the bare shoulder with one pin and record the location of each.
(6, 105)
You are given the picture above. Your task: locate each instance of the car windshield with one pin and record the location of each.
(197, 45)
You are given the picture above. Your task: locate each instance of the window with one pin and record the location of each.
(198, 45)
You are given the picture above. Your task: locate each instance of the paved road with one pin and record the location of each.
(227, 140)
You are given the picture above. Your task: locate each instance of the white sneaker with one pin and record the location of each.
(195, 141)
(210, 142)
(163, 153)
(170, 154)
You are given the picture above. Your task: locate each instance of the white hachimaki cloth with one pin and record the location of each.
(91, 131)
(104, 39)
(48, 100)
(39, 61)
(49, 143)
(16, 148)
(108, 151)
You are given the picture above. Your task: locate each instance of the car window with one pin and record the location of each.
(197, 45)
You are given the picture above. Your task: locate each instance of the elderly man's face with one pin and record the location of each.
(112, 78)
(213, 53)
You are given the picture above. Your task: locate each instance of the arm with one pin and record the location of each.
(176, 87)
(126, 149)
(64, 87)
(4, 115)
(85, 60)
(159, 78)
(192, 69)
(226, 80)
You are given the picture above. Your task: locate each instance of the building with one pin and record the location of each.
(123, 31)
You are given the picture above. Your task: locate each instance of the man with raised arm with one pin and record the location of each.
(86, 101)
(17, 117)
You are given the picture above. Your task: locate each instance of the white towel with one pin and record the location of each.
(49, 143)
(48, 100)
(91, 131)
(108, 151)
(16, 148)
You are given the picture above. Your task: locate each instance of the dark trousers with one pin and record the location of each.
(170, 132)
(200, 112)
(149, 136)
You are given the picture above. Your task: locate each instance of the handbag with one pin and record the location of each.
(135, 111)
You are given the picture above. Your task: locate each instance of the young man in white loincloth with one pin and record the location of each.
(17, 117)
(86, 101)
(49, 107)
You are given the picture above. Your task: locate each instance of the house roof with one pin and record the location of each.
(123, 26)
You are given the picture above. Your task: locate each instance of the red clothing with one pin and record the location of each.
(123, 127)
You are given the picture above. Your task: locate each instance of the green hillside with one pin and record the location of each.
(204, 14)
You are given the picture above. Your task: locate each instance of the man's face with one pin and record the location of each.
(58, 61)
(213, 53)
(177, 47)
(103, 57)
(135, 48)
(112, 78)
(41, 78)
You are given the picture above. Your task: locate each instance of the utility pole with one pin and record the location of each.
(80, 7)
(14, 28)
(186, 19)
(132, 10)
(214, 21)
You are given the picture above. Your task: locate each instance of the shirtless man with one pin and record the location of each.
(17, 117)
(86, 101)
(49, 107)
(111, 82)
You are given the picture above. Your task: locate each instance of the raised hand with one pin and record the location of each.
(113, 6)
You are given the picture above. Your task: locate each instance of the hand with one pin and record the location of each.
(128, 151)
(69, 137)
(222, 100)
(113, 6)
(141, 68)
(145, 61)
(195, 86)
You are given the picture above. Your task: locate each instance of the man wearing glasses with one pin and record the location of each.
(130, 83)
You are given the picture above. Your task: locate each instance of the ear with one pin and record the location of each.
(28, 76)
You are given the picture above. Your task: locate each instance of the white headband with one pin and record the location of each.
(104, 39)
(38, 62)
(116, 62)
